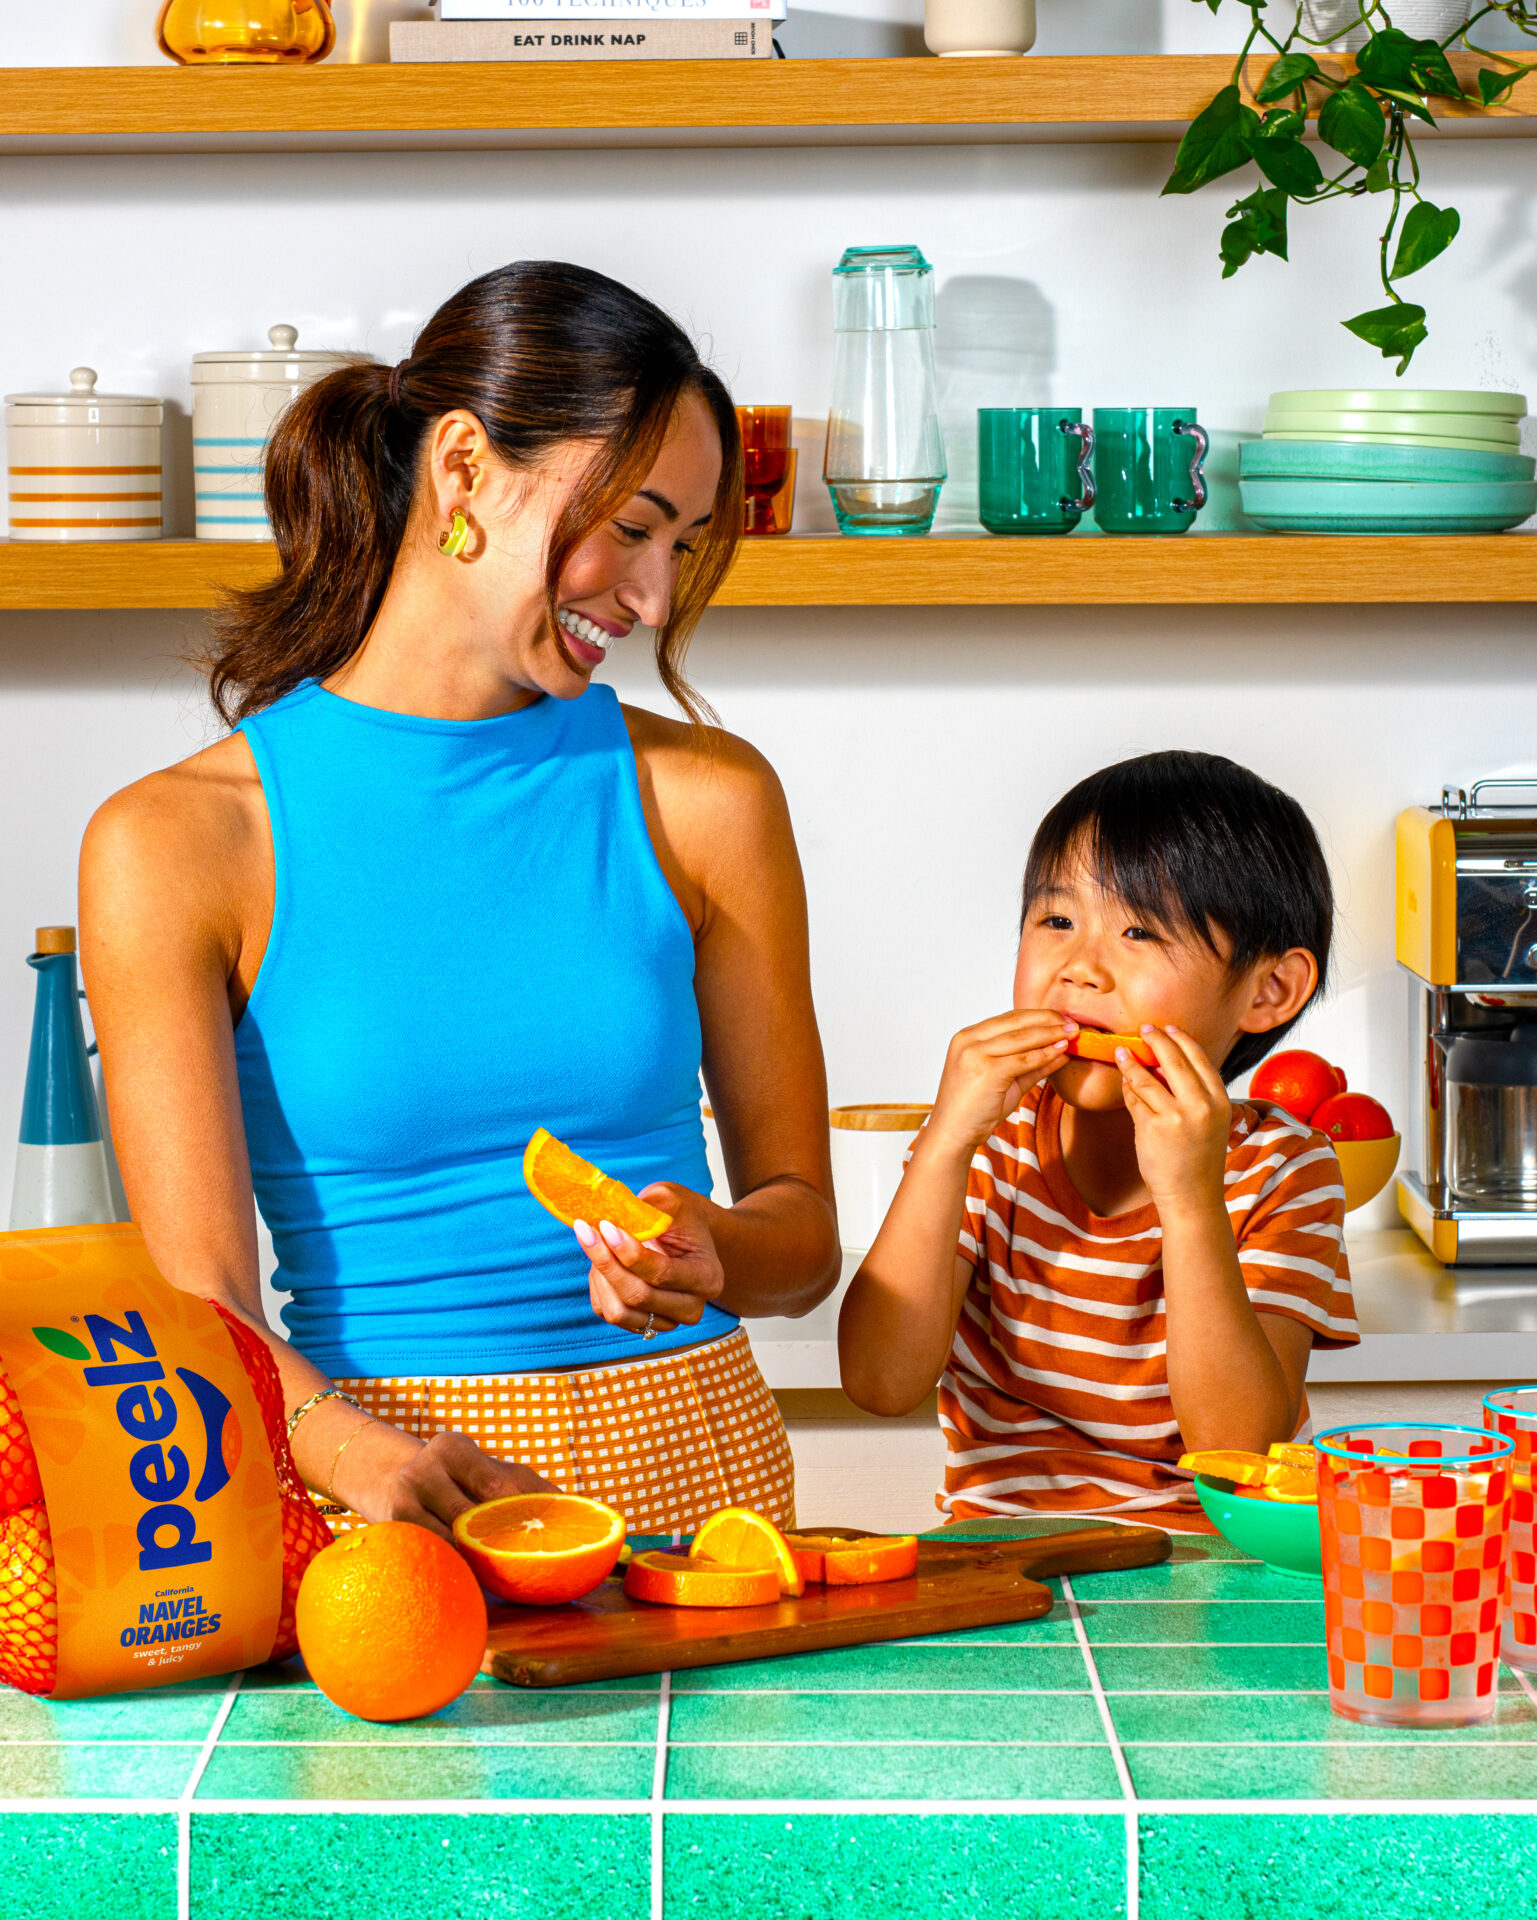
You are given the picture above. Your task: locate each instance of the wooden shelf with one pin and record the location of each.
(1192, 570)
(704, 102)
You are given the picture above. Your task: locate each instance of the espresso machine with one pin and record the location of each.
(1467, 936)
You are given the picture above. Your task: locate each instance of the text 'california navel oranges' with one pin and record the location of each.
(391, 1623)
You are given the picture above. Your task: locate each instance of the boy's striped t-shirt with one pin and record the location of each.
(1056, 1394)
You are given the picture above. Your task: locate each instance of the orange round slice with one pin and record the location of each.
(811, 1551)
(1298, 1485)
(1228, 1463)
(574, 1189)
(864, 1563)
(540, 1549)
(1088, 1043)
(738, 1537)
(677, 1580)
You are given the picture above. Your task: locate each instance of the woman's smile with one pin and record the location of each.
(590, 639)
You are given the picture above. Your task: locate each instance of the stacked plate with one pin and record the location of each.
(1401, 460)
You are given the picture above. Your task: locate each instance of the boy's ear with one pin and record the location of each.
(1279, 990)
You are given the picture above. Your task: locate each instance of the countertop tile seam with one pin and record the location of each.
(427, 1746)
(188, 1792)
(1122, 1771)
(1523, 1681)
(883, 1693)
(1116, 1646)
(659, 1799)
(1028, 1746)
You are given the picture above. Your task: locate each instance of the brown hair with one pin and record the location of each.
(541, 353)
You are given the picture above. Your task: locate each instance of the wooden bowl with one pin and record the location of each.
(1366, 1166)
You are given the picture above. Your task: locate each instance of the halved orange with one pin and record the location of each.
(863, 1563)
(738, 1537)
(1229, 1463)
(677, 1580)
(540, 1549)
(811, 1551)
(574, 1189)
(1088, 1043)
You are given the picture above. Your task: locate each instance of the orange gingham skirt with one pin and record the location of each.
(664, 1441)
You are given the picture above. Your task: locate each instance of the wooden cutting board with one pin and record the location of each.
(607, 1636)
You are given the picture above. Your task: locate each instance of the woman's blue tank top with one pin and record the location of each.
(471, 938)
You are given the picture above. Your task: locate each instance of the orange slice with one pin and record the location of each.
(1295, 1453)
(574, 1189)
(811, 1551)
(738, 1537)
(1229, 1463)
(862, 1563)
(1090, 1044)
(540, 1549)
(677, 1580)
(1298, 1485)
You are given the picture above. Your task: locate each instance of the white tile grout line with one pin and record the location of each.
(659, 1793)
(189, 1788)
(1522, 1680)
(1122, 1771)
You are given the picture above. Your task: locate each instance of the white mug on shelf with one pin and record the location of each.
(978, 27)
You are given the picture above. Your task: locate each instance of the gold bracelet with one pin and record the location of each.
(325, 1393)
(366, 1421)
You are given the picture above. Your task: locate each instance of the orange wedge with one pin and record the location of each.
(1090, 1044)
(1298, 1485)
(738, 1537)
(862, 1563)
(678, 1580)
(811, 1551)
(1229, 1463)
(574, 1189)
(1295, 1453)
(540, 1549)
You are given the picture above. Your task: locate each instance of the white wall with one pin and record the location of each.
(918, 747)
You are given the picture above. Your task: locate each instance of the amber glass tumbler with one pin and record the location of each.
(770, 462)
(229, 32)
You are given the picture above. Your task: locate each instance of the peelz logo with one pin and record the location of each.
(171, 1481)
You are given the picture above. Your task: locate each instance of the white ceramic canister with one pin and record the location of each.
(978, 27)
(83, 465)
(869, 1144)
(236, 401)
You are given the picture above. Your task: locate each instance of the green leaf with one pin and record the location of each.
(1434, 71)
(1427, 231)
(1255, 225)
(1216, 142)
(1290, 72)
(1379, 175)
(1387, 59)
(1494, 86)
(1395, 331)
(1290, 165)
(65, 1345)
(1411, 103)
(1279, 125)
(1351, 122)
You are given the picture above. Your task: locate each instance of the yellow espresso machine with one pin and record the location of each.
(1467, 936)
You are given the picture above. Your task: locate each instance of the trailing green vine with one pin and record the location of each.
(1365, 119)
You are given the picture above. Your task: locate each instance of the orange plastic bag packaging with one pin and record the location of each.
(152, 1524)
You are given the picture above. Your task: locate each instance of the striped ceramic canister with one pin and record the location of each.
(236, 401)
(83, 465)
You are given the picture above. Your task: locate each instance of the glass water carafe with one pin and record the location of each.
(885, 460)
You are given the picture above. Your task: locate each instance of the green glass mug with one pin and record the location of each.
(1033, 469)
(1147, 469)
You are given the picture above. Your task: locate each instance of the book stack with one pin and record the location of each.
(590, 30)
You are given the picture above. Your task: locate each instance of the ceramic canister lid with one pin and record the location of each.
(284, 361)
(83, 406)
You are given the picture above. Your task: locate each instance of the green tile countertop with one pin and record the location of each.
(1159, 1748)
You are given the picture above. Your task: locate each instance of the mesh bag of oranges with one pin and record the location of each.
(152, 1524)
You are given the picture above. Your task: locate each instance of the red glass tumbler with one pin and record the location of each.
(769, 459)
(1414, 1518)
(1513, 1412)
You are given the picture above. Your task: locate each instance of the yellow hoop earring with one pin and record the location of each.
(453, 542)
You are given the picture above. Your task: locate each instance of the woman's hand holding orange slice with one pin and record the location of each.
(574, 1189)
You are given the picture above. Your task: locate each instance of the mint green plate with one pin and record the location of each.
(1506, 406)
(1387, 506)
(1337, 460)
(1283, 1535)
(1412, 426)
(1340, 438)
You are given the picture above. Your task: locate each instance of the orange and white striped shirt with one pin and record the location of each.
(1056, 1395)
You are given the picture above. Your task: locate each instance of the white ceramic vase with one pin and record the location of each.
(958, 28)
(1337, 22)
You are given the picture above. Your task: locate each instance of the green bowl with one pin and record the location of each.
(1332, 460)
(1283, 1535)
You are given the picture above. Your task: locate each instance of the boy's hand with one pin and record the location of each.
(1181, 1121)
(989, 1069)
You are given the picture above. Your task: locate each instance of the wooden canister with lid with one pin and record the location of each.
(83, 465)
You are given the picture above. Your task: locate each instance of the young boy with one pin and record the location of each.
(1112, 1265)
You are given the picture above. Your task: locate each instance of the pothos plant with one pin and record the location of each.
(1364, 121)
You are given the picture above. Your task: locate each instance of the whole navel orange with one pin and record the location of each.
(540, 1549)
(574, 1189)
(391, 1622)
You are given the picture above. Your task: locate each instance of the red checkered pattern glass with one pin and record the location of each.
(1513, 1412)
(1414, 1519)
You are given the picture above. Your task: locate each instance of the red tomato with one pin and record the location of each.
(1353, 1116)
(1299, 1081)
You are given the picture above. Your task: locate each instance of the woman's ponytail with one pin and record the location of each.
(340, 469)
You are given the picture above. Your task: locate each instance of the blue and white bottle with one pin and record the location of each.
(61, 1163)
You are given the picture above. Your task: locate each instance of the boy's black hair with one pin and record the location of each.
(1199, 845)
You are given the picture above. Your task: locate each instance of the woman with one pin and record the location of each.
(437, 890)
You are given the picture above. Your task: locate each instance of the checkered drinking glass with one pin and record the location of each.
(1414, 1518)
(1513, 1412)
